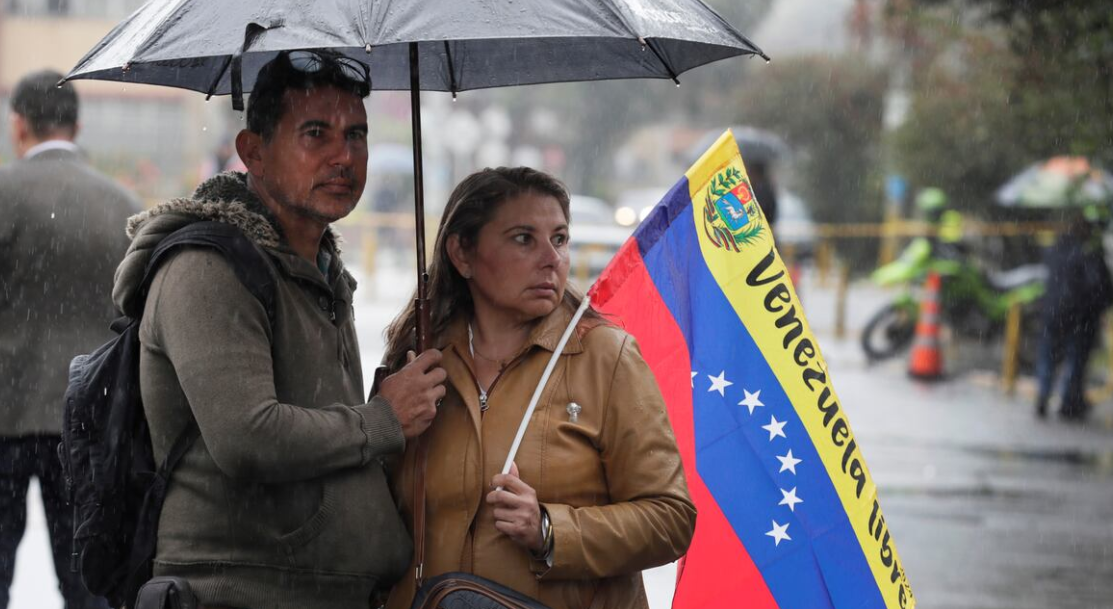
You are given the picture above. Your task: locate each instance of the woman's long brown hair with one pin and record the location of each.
(470, 207)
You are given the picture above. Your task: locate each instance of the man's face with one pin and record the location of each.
(315, 164)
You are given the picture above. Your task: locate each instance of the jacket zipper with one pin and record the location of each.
(485, 396)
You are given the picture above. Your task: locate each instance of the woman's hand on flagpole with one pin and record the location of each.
(517, 513)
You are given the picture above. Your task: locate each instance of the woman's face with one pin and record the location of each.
(519, 262)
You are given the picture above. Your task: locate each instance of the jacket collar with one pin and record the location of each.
(54, 150)
(224, 198)
(227, 198)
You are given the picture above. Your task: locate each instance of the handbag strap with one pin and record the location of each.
(421, 459)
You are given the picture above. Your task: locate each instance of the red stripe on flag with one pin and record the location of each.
(717, 571)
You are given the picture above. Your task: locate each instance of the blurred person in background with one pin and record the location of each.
(597, 493)
(933, 205)
(765, 189)
(1078, 294)
(61, 234)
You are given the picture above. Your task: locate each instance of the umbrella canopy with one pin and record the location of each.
(757, 145)
(1058, 182)
(462, 44)
(218, 47)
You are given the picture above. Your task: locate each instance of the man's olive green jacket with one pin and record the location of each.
(282, 502)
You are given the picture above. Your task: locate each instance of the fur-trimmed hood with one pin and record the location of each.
(223, 198)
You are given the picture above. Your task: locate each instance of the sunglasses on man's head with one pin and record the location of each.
(311, 62)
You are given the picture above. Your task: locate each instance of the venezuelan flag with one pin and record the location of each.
(788, 512)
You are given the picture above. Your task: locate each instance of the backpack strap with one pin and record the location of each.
(251, 269)
(254, 273)
(185, 440)
(246, 259)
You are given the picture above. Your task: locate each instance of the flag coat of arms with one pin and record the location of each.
(788, 512)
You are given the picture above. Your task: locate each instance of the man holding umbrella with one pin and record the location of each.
(282, 501)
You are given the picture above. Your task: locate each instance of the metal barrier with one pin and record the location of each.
(840, 301)
(1105, 392)
(1011, 360)
(827, 260)
(827, 236)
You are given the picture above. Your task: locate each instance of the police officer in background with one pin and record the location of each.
(932, 203)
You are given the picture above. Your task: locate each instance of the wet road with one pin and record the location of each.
(990, 507)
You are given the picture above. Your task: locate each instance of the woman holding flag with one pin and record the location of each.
(597, 490)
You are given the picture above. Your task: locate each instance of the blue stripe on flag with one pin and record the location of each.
(734, 454)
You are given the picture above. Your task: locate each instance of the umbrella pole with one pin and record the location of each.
(421, 304)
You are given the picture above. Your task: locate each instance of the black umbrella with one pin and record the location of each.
(757, 145)
(218, 47)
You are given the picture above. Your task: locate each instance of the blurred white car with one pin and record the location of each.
(794, 224)
(634, 205)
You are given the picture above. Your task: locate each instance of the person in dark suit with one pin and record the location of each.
(61, 235)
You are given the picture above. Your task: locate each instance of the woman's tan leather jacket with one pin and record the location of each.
(610, 477)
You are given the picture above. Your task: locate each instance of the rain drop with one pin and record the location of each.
(51, 215)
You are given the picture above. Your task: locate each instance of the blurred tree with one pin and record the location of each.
(961, 134)
(596, 117)
(829, 110)
(999, 84)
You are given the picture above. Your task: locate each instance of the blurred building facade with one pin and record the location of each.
(152, 139)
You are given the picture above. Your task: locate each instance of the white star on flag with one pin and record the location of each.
(775, 428)
(751, 400)
(788, 462)
(719, 383)
(790, 499)
(779, 533)
(694, 373)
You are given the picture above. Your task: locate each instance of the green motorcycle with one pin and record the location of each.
(972, 303)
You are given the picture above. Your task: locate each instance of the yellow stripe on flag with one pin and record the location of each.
(754, 279)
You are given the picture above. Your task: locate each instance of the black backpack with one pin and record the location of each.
(111, 480)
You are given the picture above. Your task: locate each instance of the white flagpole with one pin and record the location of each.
(544, 381)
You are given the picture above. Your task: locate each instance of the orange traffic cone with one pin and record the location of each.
(927, 358)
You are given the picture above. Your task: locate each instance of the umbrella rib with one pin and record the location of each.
(212, 88)
(451, 69)
(668, 68)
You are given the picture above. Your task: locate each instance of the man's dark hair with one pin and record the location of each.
(266, 107)
(44, 105)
